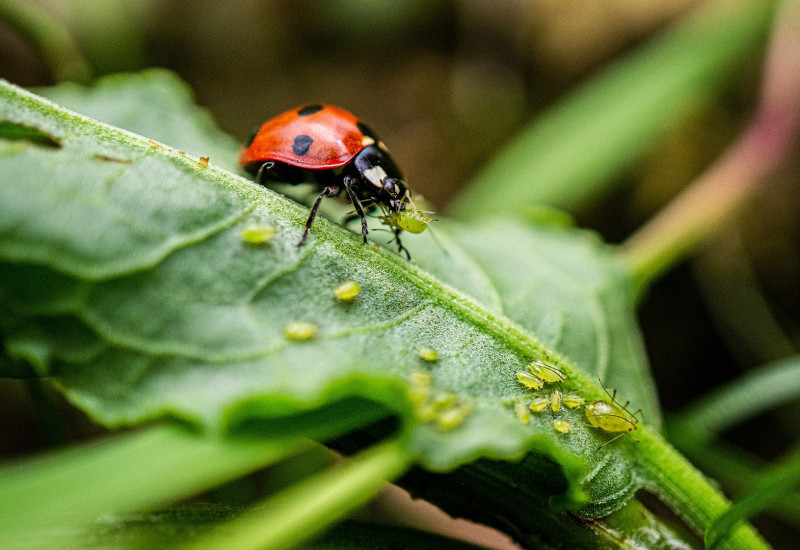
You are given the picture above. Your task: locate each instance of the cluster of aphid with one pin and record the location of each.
(443, 408)
(611, 417)
(448, 411)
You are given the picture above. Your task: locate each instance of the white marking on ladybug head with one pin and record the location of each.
(375, 176)
(366, 141)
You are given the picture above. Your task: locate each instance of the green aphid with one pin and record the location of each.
(539, 404)
(419, 390)
(573, 401)
(300, 330)
(453, 416)
(522, 412)
(347, 291)
(434, 403)
(562, 426)
(530, 381)
(410, 219)
(257, 233)
(555, 401)
(419, 378)
(611, 417)
(429, 354)
(547, 372)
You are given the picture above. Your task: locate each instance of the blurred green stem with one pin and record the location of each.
(311, 506)
(122, 474)
(707, 204)
(49, 37)
(683, 488)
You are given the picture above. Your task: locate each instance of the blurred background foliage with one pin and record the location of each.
(447, 84)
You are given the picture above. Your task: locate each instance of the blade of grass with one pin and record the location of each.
(126, 473)
(730, 465)
(704, 207)
(49, 37)
(307, 508)
(576, 149)
(757, 391)
(774, 485)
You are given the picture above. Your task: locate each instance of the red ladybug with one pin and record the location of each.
(330, 147)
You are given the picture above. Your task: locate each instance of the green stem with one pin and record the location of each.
(307, 508)
(50, 38)
(126, 473)
(702, 209)
(687, 491)
(706, 206)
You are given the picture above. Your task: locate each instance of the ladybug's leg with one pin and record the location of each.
(348, 182)
(400, 247)
(368, 210)
(329, 191)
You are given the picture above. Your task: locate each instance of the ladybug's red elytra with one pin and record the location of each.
(331, 148)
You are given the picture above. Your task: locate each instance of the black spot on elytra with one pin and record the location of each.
(301, 145)
(366, 130)
(309, 109)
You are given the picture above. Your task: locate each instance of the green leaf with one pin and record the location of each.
(127, 280)
(577, 149)
(153, 103)
(159, 307)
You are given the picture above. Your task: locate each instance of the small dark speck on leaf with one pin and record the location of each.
(113, 159)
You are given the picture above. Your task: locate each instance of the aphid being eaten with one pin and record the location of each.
(411, 220)
(611, 417)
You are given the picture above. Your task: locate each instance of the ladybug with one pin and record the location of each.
(332, 149)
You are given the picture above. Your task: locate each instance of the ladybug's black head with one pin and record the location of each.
(381, 178)
(398, 193)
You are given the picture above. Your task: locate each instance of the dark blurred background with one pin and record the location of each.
(447, 84)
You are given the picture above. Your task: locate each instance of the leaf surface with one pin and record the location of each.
(127, 280)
